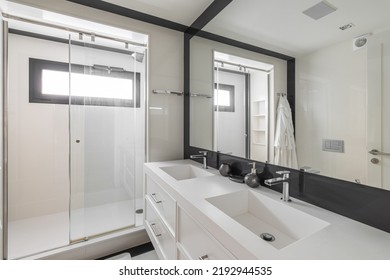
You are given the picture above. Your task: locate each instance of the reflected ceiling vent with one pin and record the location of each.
(320, 10)
(346, 26)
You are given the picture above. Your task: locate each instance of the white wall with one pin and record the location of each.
(331, 104)
(165, 125)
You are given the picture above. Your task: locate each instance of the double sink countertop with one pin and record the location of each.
(236, 215)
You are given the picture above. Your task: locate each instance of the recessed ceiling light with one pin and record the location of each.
(320, 10)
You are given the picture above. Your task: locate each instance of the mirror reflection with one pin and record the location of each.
(241, 94)
(341, 105)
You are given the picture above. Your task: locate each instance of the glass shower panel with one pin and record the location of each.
(38, 145)
(107, 84)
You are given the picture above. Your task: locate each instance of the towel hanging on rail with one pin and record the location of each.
(285, 152)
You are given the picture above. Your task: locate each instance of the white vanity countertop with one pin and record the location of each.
(343, 238)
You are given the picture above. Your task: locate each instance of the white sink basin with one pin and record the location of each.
(185, 172)
(260, 214)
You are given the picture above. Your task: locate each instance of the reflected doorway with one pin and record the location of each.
(242, 112)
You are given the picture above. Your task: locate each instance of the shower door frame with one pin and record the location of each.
(5, 138)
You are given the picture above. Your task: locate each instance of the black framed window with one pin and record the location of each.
(223, 97)
(95, 85)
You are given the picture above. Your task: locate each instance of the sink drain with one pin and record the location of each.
(267, 237)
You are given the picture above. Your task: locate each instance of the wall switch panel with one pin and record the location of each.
(336, 146)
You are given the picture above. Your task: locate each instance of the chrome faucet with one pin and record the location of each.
(285, 179)
(204, 156)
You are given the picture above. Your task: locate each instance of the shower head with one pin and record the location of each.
(139, 57)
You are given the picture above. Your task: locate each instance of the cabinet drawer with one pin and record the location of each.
(162, 239)
(163, 203)
(196, 242)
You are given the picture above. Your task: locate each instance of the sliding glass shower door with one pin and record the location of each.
(106, 117)
(76, 135)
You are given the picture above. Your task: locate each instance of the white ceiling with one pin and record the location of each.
(282, 24)
(279, 25)
(180, 11)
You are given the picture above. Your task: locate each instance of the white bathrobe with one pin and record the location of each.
(285, 153)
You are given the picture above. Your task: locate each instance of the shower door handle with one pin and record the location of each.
(378, 153)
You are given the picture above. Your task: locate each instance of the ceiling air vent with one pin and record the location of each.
(346, 26)
(320, 10)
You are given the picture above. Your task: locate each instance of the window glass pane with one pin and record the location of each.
(222, 98)
(57, 83)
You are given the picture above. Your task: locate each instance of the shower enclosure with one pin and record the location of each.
(75, 135)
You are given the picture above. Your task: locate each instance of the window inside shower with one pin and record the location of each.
(104, 85)
(76, 136)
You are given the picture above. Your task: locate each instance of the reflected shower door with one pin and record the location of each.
(378, 111)
(241, 105)
(230, 111)
(106, 134)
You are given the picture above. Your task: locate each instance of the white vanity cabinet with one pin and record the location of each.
(160, 219)
(175, 234)
(195, 243)
(163, 202)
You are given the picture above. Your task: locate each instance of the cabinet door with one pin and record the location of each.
(196, 243)
(162, 239)
(163, 202)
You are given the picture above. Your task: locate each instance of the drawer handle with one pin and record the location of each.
(154, 196)
(154, 229)
(204, 257)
